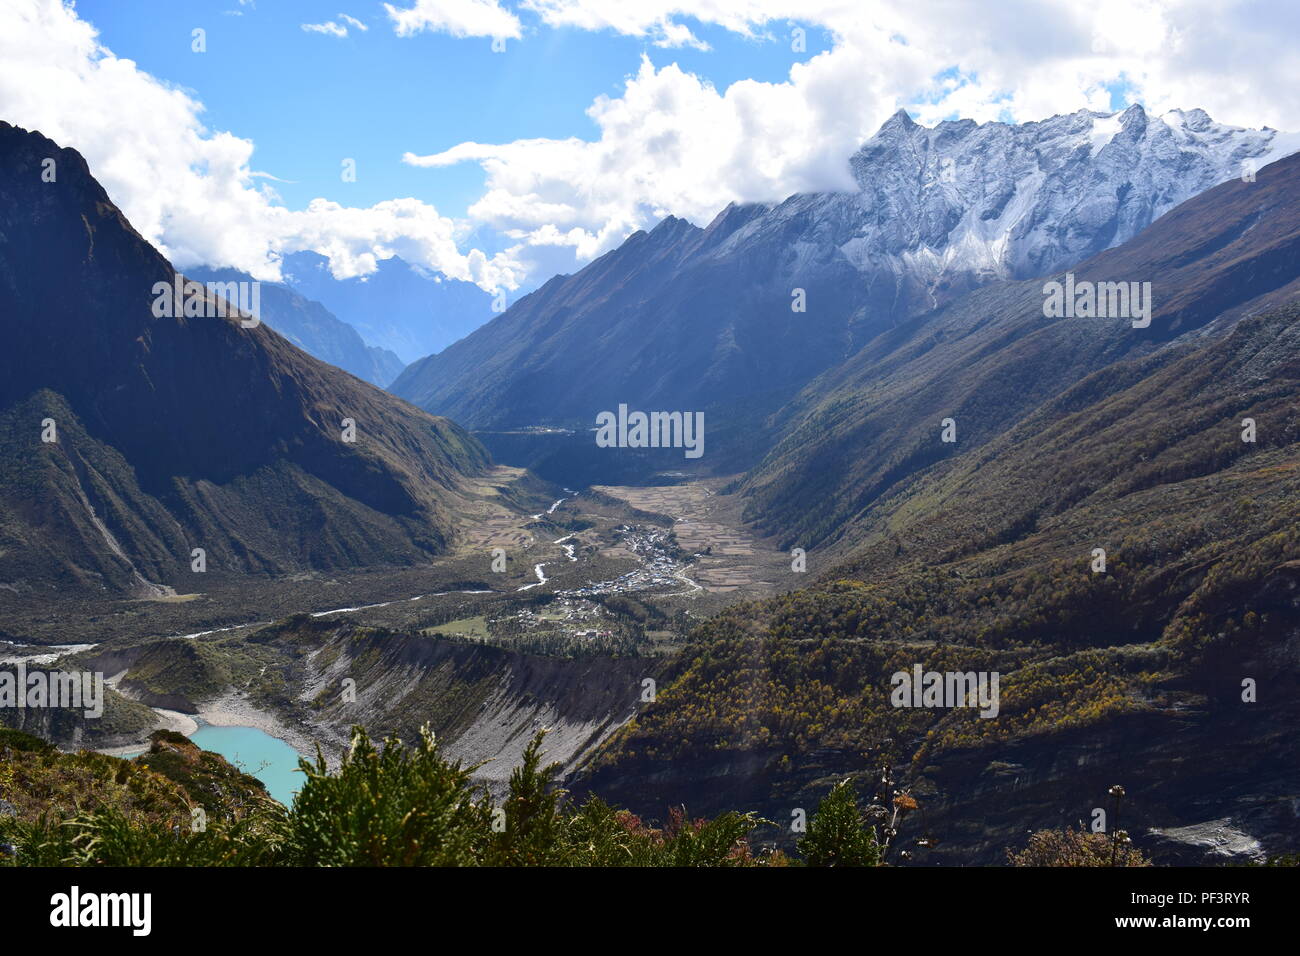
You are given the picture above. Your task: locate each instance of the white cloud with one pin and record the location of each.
(655, 20)
(334, 28)
(187, 189)
(669, 34)
(460, 18)
(672, 143)
(652, 18)
(329, 26)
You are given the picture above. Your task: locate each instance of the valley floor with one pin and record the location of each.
(602, 573)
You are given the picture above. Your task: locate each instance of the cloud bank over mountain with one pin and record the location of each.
(190, 190)
(670, 142)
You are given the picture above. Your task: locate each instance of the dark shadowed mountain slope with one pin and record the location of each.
(1100, 536)
(397, 307)
(701, 319)
(1170, 668)
(314, 329)
(868, 427)
(181, 433)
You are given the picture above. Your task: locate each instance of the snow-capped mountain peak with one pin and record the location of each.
(963, 202)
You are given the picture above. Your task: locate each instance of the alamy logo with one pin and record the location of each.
(195, 300)
(652, 430)
(83, 691)
(74, 908)
(1098, 300)
(946, 689)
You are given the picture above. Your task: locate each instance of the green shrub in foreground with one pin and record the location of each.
(391, 805)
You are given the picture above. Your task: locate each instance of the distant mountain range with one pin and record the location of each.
(707, 319)
(398, 307)
(314, 329)
(369, 325)
(132, 437)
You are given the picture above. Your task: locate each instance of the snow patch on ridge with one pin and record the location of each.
(1104, 129)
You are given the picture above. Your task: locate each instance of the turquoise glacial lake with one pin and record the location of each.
(271, 761)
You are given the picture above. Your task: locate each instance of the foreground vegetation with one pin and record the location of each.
(391, 805)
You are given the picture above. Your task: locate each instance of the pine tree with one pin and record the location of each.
(836, 836)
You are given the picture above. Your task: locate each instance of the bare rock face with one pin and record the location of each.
(1020, 201)
(314, 329)
(1214, 841)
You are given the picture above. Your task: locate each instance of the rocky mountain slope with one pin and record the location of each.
(485, 703)
(132, 438)
(314, 329)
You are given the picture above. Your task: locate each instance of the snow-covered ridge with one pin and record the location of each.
(963, 203)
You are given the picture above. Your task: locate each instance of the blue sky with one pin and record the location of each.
(600, 117)
(307, 99)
